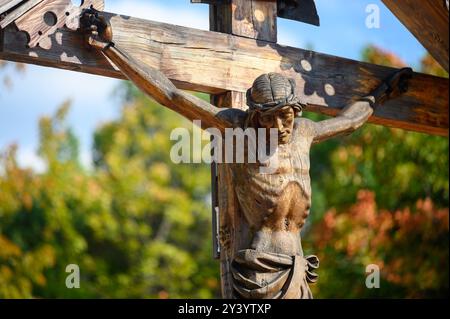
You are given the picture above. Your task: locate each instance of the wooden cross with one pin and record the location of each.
(216, 63)
(242, 45)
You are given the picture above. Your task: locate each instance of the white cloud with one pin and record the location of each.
(86, 159)
(27, 158)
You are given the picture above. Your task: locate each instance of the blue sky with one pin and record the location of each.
(39, 91)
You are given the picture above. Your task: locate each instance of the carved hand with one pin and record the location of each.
(395, 85)
(97, 30)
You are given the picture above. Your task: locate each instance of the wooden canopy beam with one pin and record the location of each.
(5, 5)
(427, 20)
(298, 10)
(214, 62)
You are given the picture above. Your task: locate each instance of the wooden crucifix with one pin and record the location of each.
(260, 214)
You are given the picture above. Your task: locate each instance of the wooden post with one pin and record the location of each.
(254, 19)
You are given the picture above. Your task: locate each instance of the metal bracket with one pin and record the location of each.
(215, 211)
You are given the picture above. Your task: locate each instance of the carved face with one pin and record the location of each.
(282, 120)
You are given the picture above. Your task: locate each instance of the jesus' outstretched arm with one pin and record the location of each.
(152, 81)
(356, 114)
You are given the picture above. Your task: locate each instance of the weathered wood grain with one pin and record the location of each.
(5, 5)
(214, 62)
(255, 19)
(50, 15)
(427, 20)
(298, 10)
(18, 12)
(223, 18)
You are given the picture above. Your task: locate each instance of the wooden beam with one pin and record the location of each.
(18, 12)
(255, 19)
(427, 20)
(236, 17)
(214, 62)
(299, 10)
(5, 5)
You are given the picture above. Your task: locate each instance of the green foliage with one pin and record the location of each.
(399, 166)
(381, 196)
(136, 224)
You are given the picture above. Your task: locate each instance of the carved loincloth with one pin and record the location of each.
(259, 275)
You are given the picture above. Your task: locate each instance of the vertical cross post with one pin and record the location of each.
(254, 19)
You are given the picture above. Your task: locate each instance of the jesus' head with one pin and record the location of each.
(273, 104)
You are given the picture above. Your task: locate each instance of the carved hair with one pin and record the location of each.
(269, 93)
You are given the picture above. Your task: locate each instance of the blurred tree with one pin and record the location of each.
(137, 225)
(410, 246)
(5, 68)
(399, 182)
(376, 55)
(159, 206)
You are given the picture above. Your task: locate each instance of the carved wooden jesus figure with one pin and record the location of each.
(269, 263)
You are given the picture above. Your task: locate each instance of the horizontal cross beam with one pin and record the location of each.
(214, 62)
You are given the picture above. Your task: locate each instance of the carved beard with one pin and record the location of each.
(252, 121)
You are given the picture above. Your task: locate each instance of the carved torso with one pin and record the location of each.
(276, 204)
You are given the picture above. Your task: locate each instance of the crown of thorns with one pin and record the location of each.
(272, 106)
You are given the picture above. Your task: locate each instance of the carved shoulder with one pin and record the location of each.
(234, 116)
(305, 128)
